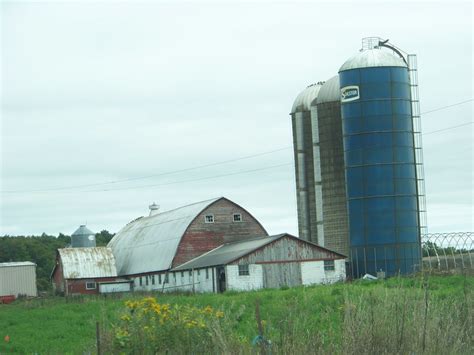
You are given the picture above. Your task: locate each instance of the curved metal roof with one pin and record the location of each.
(375, 57)
(305, 98)
(330, 91)
(81, 263)
(82, 230)
(150, 243)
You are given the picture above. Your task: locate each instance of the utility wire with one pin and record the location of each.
(448, 128)
(168, 183)
(150, 176)
(192, 180)
(448, 106)
(211, 164)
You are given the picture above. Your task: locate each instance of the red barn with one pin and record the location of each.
(148, 247)
(86, 271)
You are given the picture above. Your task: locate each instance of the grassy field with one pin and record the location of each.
(400, 315)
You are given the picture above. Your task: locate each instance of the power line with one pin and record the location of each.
(207, 165)
(150, 176)
(448, 128)
(172, 182)
(192, 180)
(448, 106)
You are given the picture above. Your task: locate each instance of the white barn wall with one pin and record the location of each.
(177, 281)
(253, 281)
(114, 287)
(312, 272)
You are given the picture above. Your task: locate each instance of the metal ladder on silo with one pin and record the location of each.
(420, 172)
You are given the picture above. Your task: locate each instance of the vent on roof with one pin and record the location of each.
(154, 208)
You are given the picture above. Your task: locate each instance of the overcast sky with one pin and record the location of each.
(94, 92)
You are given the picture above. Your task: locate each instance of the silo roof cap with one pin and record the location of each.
(82, 230)
(375, 57)
(305, 98)
(330, 91)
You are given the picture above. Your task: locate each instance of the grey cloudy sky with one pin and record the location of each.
(95, 92)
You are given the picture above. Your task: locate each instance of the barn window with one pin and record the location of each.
(328, 265)
(244, 270)
(90, 285)
(159, 279)
(152, 279)
(190, 273)
(199, 272)
(166, 279)
(237, 217)
(182, 273)
(207, 274)
(146, 280)
(141, 281)
(209, 218)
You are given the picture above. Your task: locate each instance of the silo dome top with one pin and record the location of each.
(305, 98)
(330, 91)
(82, 230)
(83, 238)
(376, 57)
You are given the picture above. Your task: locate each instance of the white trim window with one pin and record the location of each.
(329, 265)
(209, 218)
(244, 270)
(237, 217)
(91, 285)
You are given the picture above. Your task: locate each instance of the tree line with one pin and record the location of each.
(42, 251)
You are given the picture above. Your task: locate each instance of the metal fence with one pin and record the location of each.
(439, 252)
(448, 251)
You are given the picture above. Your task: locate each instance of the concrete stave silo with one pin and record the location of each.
(380, 164)
(304, 167)
(330, 183)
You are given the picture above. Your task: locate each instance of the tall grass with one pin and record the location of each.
(418, 315)
(401, 316)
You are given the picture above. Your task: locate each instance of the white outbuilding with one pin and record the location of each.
(263, 262)
(18, 279)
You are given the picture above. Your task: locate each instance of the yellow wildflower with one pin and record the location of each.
(219, 314)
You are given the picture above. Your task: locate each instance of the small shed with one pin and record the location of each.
(18, 279)
(86, 271)
(264, 262)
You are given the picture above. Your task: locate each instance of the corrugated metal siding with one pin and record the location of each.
(19, 279)
(150, 243)
(79, 263)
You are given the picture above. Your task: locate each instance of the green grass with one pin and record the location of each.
(343, 318)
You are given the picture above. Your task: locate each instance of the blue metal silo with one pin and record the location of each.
(380, 164)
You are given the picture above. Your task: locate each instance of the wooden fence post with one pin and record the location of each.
(97, 336)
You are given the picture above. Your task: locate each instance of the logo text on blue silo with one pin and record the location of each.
(349, 93)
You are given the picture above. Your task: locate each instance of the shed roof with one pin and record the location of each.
(17, 263)
(230, 252)
(80, 263)
(150, 243)
(375, 57)
(305, 98)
